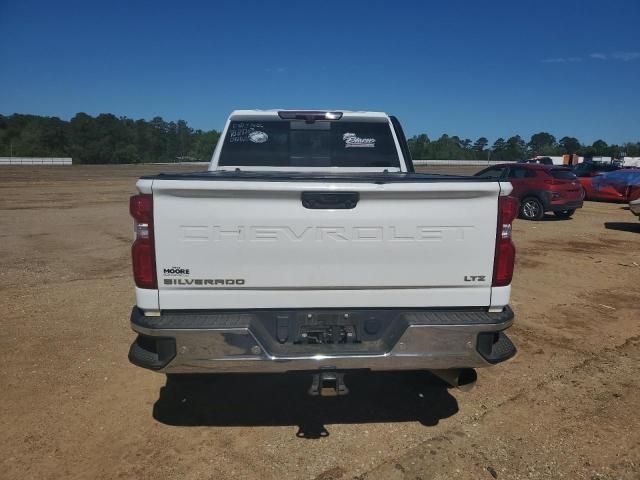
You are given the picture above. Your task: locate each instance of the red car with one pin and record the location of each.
(586, 171)
(619, 186)
(540, 188)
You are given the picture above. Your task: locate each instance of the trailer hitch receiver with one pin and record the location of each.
(328, 384)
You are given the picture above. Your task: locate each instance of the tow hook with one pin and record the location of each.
(328, 384)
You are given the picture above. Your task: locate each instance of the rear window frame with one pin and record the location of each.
(528, 172)
(504, 172)
(395, 160)
(565, 171)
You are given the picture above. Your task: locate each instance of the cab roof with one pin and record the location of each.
(275, 113)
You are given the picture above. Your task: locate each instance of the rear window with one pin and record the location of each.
(296, 143)
(583, 169)
(587, 168)
(521, 173)
(562, 174)
(491, 173)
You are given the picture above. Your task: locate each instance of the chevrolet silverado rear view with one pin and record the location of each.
(311, 245)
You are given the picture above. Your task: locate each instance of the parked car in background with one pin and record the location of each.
(620, 186)
(540, 188)
(585, 172)
(634, 206)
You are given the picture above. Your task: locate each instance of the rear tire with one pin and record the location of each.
(565, 213)
(531, 209)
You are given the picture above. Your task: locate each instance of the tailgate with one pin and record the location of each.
(252, 244)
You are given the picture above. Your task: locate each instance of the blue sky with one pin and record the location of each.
(467, 68)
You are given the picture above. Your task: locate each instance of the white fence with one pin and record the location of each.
(626, 161)
(35, 161)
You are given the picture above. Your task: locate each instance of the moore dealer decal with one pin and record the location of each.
(175, 272)
(351, 140)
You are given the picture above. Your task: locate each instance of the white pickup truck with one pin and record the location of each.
(311, 245)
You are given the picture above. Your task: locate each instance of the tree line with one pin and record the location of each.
(110, 139)
(513, 148)
(104, 139)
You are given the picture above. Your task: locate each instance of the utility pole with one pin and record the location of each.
(11, 148)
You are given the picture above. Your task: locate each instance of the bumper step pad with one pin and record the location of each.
(495, 347)
(152, 352)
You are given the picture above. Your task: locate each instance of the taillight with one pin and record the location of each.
(505, 249)
(143, 251)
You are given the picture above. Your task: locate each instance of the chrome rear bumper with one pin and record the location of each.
(217, 342)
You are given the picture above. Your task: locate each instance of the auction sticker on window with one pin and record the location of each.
(258, 136)
(351, 140)
(241, 132)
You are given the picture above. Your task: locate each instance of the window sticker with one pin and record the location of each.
(258, 136)
(351, 140)
(247, 131)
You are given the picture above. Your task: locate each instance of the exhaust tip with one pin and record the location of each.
(463, 379)
(467, 379)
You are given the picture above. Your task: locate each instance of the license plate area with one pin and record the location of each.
(334, 332)
(326, 334)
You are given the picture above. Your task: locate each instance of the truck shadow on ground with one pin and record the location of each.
(623, 226)
(281, 400)
(550, 217)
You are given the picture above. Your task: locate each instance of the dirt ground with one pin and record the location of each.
(73, 407)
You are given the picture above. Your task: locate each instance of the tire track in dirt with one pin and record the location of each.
(478, 459)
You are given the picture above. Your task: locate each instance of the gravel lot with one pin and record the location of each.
(74, 408)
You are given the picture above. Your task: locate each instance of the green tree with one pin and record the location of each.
(600, 148)
(499, 145)
(418, 146)
(569, 145)
(480, 144)
(632, 149)
(515, 149)
(542, 143)
(203, 145)
(104, 139)
(445, 148)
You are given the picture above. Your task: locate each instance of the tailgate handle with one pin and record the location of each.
(329, 200)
